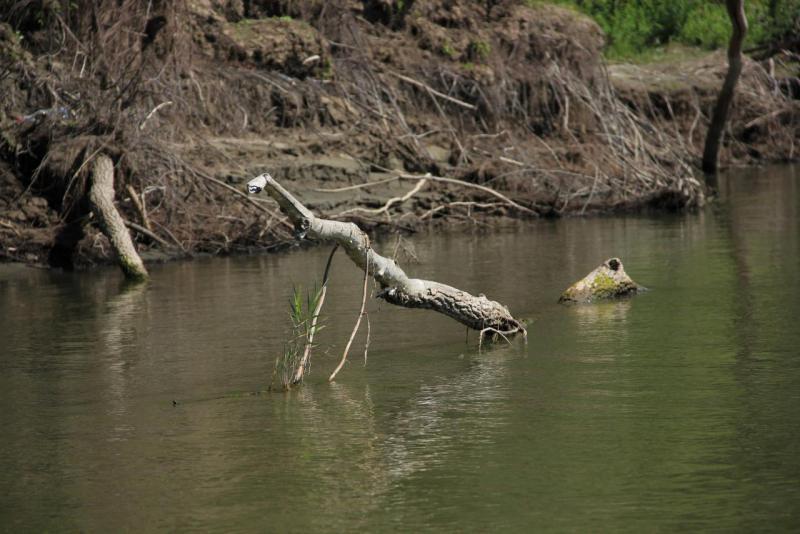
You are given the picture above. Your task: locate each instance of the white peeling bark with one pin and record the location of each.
(478, 313)
(101, 198)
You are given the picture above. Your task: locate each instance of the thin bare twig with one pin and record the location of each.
(591, 193)
(153, 112)
(357, 186)
(369, 336)
(502, 334)
(479, 187)
(144, 231)
(468, 204)
(137, 203)
(389, 203)
(175, 239)
(358, 321)
(433, 91)
(281, 220)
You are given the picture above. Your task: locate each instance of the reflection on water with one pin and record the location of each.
(676, 409)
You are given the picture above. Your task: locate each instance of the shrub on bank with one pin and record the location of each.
(633, 26)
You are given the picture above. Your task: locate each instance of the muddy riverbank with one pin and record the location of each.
(192, 99)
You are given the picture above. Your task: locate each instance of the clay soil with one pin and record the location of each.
(193, 98)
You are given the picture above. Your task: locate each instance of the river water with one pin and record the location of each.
(678, 409)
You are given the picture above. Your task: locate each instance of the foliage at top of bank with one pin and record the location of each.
(634, 27)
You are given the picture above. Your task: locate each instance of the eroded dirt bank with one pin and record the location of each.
(193, 98)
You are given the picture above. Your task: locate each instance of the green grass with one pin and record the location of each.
(479, 49)
(637, 27)
(448, 50)
(301, 311)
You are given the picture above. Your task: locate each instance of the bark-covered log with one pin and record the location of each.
(725, 98)
(101, 198)
(478, 313)
(609, 280)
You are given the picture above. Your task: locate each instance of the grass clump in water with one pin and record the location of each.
(303, 327)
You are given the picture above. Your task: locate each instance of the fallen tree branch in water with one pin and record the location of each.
(397, 288)
(101, 200)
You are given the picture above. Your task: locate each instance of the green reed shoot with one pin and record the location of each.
(301, 317)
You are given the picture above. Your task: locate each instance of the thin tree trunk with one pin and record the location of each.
(478, 313)
(725, 98)
(101, 198)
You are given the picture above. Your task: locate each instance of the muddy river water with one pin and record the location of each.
(678, 409)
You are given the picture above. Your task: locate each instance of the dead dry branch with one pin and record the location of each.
(389, 203)
(396, 287)
(357, 325)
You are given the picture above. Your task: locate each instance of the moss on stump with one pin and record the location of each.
(608, 281)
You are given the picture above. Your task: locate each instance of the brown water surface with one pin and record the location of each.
(675, 410)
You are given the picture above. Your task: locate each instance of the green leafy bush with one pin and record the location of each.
(634, 26)
(708, 27)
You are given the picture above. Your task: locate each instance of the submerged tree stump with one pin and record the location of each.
(609, 280)
(478, 313)
(101, 199)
